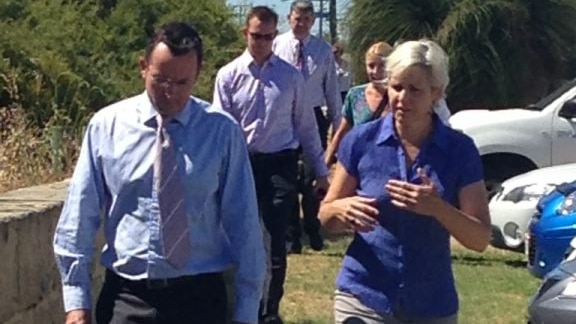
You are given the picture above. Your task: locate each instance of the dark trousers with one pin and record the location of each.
(343, 95)
(310, 201)
(195, 299)
(275, 176)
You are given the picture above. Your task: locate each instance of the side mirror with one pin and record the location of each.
(568, 110)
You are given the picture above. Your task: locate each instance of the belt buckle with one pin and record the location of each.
(157, 283)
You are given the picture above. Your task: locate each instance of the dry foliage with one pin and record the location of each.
(29, 155)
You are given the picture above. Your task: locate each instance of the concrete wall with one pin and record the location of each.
(30, 290)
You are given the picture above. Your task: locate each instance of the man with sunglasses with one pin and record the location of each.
(313, 57)
(265, 95)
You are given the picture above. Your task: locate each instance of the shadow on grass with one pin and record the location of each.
(486, 260)
(332, 254)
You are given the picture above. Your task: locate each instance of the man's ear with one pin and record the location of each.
(143, 66)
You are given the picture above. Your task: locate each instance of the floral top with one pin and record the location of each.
(355, 109)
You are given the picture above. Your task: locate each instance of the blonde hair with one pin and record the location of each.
(381, 49)
(424, 53)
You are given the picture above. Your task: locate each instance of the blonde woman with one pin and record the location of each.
(405, 184)
(363, 102)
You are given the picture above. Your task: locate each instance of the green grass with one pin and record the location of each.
(494, 286)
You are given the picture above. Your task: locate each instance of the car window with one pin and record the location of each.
(542, 103)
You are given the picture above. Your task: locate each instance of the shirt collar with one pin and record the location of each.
(438, 136)
(148, 113)
(246, 59)
(305, 41)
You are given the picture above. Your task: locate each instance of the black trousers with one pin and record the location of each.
(195, 299)
(275, 176)
(343, 95)
(310, 201)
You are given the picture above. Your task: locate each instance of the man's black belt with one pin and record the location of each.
(153, 284)
(284, 154)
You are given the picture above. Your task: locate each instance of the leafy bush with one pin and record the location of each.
(62, 60)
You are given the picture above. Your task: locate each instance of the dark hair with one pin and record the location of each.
(180, 37)
(304, 6)
(263, 13)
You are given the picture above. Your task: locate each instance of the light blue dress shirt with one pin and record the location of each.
(321, 85)
(268, 102)
(113, 184)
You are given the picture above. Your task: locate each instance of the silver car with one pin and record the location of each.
(555, 300)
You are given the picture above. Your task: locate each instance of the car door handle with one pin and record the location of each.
(565, 134)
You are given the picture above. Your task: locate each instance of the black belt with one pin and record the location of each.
(284, 154)
(154, 284)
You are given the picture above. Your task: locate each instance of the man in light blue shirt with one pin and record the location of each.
(265, 95)
(155, 275)
(313, 57)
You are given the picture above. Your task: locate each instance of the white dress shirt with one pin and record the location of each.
(321, 85)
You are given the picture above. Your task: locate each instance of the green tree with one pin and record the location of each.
(502, 52)
(74, 57)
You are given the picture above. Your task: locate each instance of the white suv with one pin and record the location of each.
(515, 141)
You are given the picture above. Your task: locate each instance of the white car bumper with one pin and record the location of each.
(510, 222)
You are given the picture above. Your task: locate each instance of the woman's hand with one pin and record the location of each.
(342, 210)
(470, 224)
(357, 213)
(421, 199)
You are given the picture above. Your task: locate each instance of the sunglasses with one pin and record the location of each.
(266, 37)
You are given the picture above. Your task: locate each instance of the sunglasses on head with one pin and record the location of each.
(266, 37)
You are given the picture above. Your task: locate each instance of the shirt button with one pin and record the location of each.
(401, 285)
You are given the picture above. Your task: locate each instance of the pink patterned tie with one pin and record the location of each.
(300, 59)
(171, 200)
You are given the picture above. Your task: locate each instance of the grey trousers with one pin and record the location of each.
(349, 310)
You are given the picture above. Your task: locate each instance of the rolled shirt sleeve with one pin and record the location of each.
(240, 219)
(79, 221)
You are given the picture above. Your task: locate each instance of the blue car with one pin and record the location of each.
(551, 229)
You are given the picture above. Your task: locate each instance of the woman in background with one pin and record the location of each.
(363, 102)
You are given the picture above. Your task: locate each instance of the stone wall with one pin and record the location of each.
(30, 290)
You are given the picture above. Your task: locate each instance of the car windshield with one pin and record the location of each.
(551, 97)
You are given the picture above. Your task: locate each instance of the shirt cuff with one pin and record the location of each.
(76, 297)
(246, 308)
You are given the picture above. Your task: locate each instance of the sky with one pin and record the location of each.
(282, 8)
